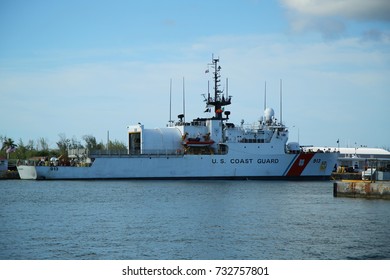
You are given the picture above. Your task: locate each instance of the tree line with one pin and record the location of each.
(40, 147)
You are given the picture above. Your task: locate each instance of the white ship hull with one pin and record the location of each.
(238, 166)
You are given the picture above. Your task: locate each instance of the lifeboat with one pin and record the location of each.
(195, 142)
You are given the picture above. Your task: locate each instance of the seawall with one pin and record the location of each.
(9, 175)
(362, 189)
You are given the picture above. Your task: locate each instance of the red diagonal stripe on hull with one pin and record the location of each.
(299, 165)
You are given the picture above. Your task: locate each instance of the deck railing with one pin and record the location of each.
(145, 153)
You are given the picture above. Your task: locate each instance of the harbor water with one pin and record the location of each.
(188, 220)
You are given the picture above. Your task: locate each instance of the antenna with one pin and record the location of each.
(184, 101)
(265, 95)
(281, 102)
(227, 88)
(208, 90)
(170, 103)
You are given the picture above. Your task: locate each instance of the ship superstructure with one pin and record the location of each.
(211, 135)
(204, 148)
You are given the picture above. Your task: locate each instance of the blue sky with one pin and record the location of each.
(88, 67)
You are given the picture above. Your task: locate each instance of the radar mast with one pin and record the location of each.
(219, 99)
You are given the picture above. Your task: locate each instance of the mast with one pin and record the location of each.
(184, 101)
(265, 95)
(281, 102)
(108, 140)
(170, 103)
(219, 99)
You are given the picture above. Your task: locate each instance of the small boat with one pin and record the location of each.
(190, 143)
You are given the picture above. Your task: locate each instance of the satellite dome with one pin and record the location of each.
(268, 114)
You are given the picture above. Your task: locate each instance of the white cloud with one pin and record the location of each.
(332, 17)
(353, 9)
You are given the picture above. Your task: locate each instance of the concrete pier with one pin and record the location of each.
(362, 189)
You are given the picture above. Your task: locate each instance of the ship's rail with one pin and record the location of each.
(145, 153)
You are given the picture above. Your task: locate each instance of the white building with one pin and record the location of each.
(359, 158)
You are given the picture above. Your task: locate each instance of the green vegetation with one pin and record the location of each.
(8, 146)
(40, 148)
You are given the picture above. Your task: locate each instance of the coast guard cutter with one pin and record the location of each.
(204, 148)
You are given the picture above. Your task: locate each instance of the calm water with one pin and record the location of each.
(188, 220)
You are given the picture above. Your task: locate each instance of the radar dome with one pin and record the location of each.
(268, 114)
